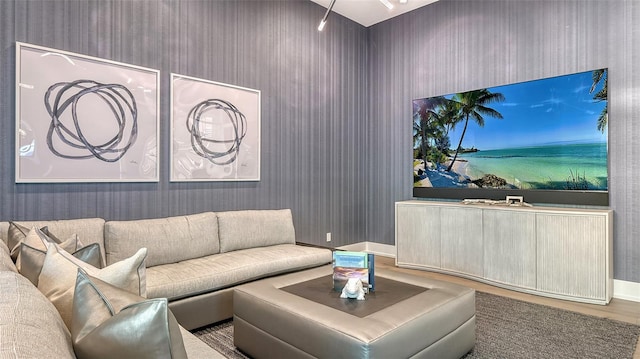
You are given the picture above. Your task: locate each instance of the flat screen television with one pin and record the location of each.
(545, 140)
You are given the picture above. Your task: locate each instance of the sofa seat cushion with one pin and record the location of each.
(168, 240)
(207, 274)
(30, 326)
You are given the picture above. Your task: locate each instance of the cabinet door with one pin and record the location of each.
(510, 247)
(418, 235)
(461, 238)
(572, 253)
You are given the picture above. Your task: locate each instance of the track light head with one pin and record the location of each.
(326, 15)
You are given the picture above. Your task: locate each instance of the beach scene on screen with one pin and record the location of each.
(543, 134)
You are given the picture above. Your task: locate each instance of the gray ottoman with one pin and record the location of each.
(430, 319)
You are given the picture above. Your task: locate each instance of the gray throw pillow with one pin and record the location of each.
(33, 249)
(19, 233)
(31, 260)
(16, 235)
(109, 322)
(58, 276)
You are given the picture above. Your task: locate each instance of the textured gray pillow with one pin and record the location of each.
(89, 230)
(109, 322)
(31, 260)
(33, 249)
(58, 276)
(255, 228)
(16, 234)
(19, 233)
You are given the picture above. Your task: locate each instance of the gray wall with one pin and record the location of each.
(313, 107)
(454, 45)
(336, 136)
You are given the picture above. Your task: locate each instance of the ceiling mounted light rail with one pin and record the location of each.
(326, 15)
(368, 12)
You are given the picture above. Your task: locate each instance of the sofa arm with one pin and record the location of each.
(31, 325)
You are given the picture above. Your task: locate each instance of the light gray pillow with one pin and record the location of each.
(31, 260)
(33, 249)
(109, 322)
(58, 276)
(16, 234)
(89, 230)
(19, 233)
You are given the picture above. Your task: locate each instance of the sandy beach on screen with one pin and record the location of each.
(439, 177)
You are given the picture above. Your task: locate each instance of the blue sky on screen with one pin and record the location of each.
(541, 112)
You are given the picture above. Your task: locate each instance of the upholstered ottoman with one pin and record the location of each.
(300, 316)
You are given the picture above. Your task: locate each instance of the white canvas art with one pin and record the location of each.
(84, 119)
(215, 131)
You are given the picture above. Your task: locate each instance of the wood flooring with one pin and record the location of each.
(617, 309)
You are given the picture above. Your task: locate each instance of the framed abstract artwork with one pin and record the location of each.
(215, 131)
(84, 119)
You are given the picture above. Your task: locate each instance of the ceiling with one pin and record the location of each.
(371, 12)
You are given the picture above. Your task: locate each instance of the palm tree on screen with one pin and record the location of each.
(600, 76)
(450, 114)
(473, 105)
(427, 126)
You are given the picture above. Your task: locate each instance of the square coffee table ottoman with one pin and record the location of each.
(299, 315)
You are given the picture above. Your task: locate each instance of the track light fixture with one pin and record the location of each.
(323, 22)
(326, 15)
(387, 4)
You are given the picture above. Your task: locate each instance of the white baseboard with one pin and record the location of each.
(385, 250)
(621, 289)
(626, 290)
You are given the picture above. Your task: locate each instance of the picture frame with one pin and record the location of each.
(84, 119)
(215, 131)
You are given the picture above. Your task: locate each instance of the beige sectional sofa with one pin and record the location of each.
(194, 261)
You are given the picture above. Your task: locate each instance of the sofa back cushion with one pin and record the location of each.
(255, 228)
(168, 240)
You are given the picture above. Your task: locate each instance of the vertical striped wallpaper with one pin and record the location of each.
(336, 136)
(460, 45)
(314, 112)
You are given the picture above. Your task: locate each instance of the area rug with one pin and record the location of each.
(220, 338)
(509, 328)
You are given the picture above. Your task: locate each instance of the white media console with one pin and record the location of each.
(563, 253)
